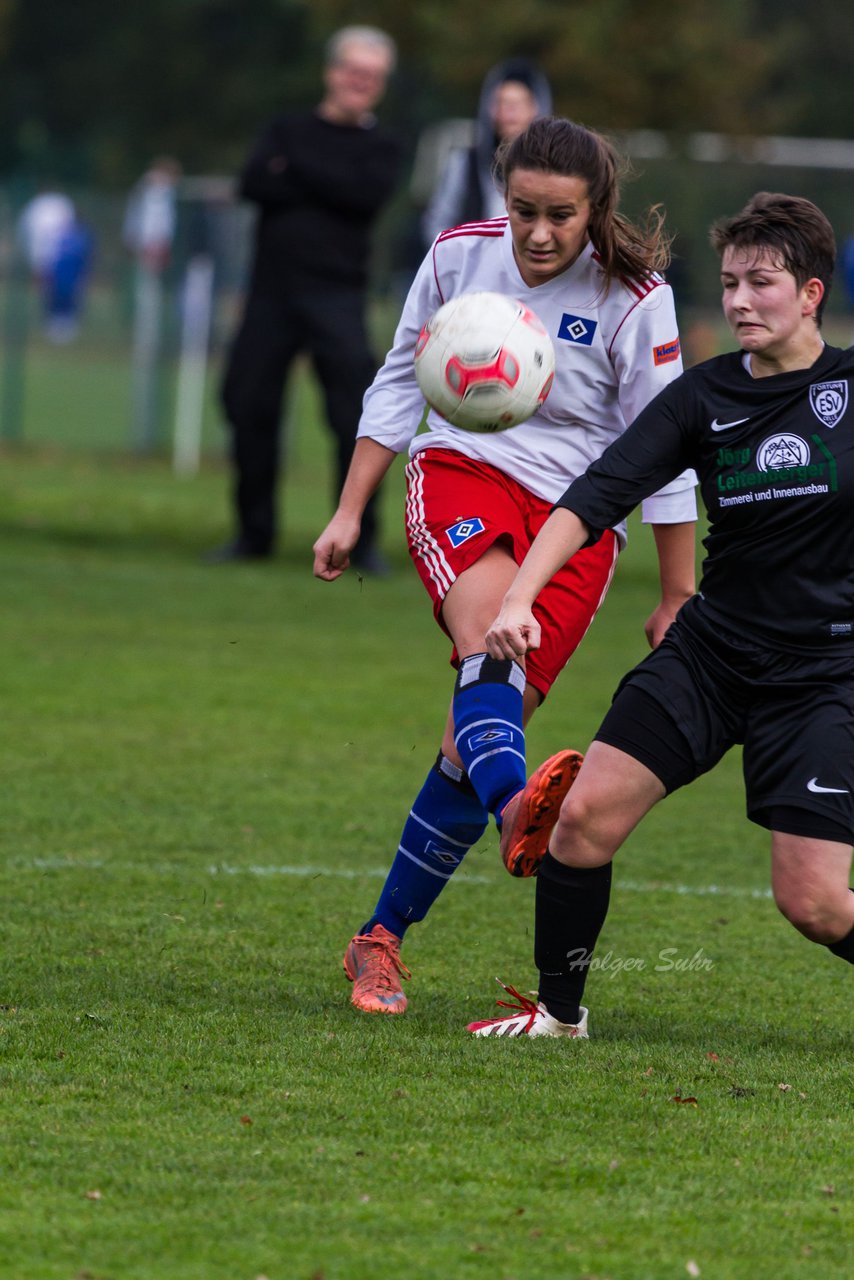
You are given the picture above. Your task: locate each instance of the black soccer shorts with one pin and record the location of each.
(706, 689)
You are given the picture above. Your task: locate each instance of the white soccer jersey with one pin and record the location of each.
(614, 351)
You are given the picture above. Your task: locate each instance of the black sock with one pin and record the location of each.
(844, 948)
(572, 903)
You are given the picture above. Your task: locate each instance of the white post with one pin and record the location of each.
(195, 333)
(148, 305)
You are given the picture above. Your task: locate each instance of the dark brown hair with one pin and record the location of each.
(554, 145)
(789, 227)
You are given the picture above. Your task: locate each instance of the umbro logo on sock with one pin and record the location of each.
(488, 736)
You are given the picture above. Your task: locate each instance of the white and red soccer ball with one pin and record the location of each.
(484, 361)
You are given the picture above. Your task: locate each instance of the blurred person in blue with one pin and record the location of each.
(514, 93)
(65, 282)
(319, 179)
(43, 226)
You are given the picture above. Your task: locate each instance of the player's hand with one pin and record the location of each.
(657, 624)
(513, 633)
(333, 547)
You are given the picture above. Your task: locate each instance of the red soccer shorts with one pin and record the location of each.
(456, 508)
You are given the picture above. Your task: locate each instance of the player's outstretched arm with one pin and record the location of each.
(676, 546)
(516, 630)
(368, 465)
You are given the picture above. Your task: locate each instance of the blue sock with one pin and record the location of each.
(488, 730)
(445, 821)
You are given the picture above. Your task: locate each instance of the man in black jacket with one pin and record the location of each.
(319, 179)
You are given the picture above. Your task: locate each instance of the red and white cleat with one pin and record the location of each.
(531, 1019)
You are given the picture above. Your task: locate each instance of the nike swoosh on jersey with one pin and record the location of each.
(812, 785)
(724, 426)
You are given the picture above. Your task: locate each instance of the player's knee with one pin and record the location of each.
(582, 835)
(815, 916)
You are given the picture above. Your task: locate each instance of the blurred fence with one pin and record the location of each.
(141, 373)
(702, 177)
(145, 353)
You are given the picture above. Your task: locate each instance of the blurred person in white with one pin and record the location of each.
(41, 225)
(151, 214)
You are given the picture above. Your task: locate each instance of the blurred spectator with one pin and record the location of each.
(150, 216)
(40, 227)
(319, 179)
(65, 282)
(57, 248)
(513, 94)
(148, 233)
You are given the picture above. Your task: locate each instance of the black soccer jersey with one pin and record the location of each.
(775, 459)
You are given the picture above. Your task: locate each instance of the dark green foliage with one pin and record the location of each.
(91, 91)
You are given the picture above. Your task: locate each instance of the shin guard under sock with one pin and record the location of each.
(445, 821)
(488, 731)
(571, 906)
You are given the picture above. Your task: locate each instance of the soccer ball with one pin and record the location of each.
(484, 361)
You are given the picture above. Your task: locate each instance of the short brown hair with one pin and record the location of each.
(790, 227)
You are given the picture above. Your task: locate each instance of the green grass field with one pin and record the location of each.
(205, 771)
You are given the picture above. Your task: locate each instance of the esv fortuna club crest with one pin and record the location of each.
(828, 401)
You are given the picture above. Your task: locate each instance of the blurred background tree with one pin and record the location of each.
(90, 91)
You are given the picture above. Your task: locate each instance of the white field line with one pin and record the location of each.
(284, 870)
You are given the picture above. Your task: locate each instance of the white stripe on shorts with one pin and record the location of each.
(425, 546)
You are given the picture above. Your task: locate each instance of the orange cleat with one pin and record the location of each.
(528, 819)
(372, 963)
